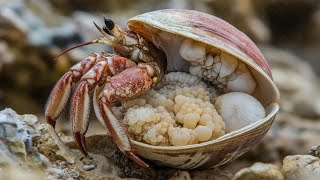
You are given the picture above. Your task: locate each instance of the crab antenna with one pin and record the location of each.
(74, 47)
(107, 39)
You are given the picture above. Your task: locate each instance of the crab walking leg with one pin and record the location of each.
(80, 108)
(60, 94)
(129, 84)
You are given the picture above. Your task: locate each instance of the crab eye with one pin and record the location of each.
(105, 29)
(109, 23)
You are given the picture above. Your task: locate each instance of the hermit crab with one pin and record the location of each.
(155, 44)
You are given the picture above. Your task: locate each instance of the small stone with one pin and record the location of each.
(315, 151)
(181, 175)
(259, 171)
(301, 167)
(212, 174)
(88, 167)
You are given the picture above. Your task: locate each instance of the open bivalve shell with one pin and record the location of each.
(168, 30)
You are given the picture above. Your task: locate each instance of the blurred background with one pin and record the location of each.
(33, 32)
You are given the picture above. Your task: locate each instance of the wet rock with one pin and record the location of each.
(301, 167)
(259, 171)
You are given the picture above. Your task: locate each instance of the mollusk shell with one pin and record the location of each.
(217, 33)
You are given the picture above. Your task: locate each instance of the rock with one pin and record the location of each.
(61, 170)
(181, 175)
(307, 106)
(295, 78)
(211, 174)
(259, 171)
(59, 36)
(301, 167)
(53, 146)
(16, 136)
(112, 162)
(12, 173)
(19, 158)
(315, 151)
(6, 56)
(283, 64)
(290, 134)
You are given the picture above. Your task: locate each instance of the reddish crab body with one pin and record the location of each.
(137, 66)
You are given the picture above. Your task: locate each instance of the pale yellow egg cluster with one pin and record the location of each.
(149, 124)
(174, 116)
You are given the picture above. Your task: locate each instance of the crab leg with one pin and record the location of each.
(129, 84)
(80, 108)
(61, 92)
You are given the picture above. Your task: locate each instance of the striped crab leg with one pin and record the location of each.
(61, 92)
(129, 84)
(108, 65)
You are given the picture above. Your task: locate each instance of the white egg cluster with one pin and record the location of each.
(174, 116)
(225, 71)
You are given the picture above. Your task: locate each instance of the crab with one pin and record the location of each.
(136, 67)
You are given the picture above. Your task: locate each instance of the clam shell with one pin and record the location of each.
(217, 33)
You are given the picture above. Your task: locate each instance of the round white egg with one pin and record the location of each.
(238, 110)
